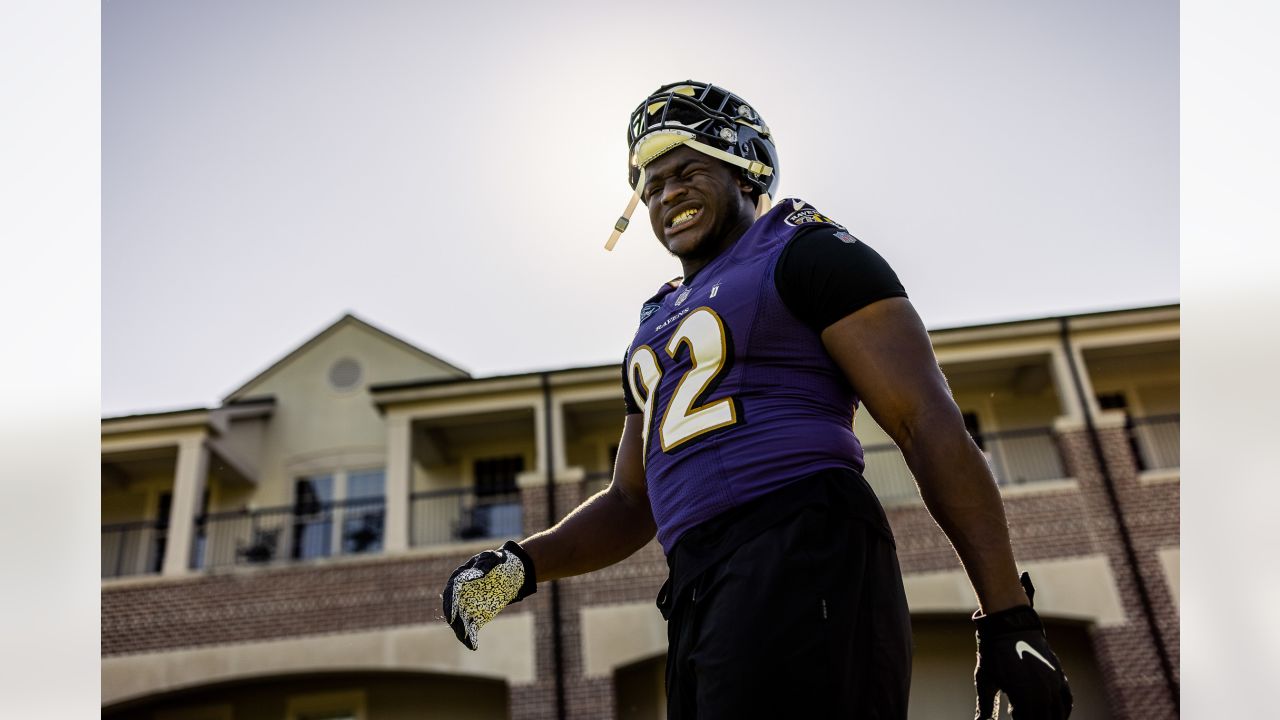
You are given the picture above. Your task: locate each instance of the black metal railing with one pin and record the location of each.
(133, 548)
(888, 474)
(1023, 456)
(1016, 457)
(1155, 441)
(289, 533)
(437, 517)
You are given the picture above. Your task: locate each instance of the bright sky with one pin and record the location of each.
(450, 171)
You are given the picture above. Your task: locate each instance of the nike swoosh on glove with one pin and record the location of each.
(482, 586)
(1014, 656)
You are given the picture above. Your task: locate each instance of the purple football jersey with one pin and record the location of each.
(740, 397)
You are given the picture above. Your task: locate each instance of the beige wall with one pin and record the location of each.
(1158, 398)
(461, 473)
(592, 428)
(137, 502)
(131, 487)
(1170, 563)
(1148, 375)
(507, 654)
(316, 428)
(1013, 411)
(590, 451)
(245, 440)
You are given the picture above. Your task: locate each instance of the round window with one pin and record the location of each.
(345, 374)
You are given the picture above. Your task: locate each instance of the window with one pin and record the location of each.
(340, 512)
(1112, 401)
(497, 476)
(312, 517)
(497, 510)
(364, 511)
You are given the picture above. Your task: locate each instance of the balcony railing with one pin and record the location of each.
(289, 533)
(133, 548)
(1155, 441)
(438, 517)
(1016, 457)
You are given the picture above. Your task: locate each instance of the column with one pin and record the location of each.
(188, 491)
(540, 430)
(559, 438)
(399, 482)
(1072, 417)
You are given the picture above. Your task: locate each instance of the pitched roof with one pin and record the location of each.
(344, 321)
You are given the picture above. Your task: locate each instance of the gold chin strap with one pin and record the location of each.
(621, 226)
(763, 203)
(755, 167)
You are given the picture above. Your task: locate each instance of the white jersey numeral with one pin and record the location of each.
(644, 374)
(703, 333)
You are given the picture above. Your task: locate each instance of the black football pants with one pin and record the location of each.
(806, 619)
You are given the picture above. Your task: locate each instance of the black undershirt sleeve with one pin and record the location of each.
(824, 274)
(627, 399)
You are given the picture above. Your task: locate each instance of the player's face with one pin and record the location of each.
(697, 205)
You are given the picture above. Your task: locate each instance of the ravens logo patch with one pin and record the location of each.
(809, 215)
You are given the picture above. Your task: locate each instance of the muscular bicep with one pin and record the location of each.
(884, 351)
(628, 470)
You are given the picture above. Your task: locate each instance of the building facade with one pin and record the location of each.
(281, 554)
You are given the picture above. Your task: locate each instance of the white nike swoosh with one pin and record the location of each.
(1022, 647)
(797, 204)
(693, 126)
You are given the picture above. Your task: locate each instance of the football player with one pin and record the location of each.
(784, 598)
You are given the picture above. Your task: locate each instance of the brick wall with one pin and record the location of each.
(636, 579)
(337, 597)
(272, 603)
(1127, 654)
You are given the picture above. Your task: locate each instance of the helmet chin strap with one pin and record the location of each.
(755, 167)
(625, 220)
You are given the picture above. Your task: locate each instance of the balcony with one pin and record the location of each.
(1155, 442)
(133, 548)
(1017, 457)
(438, 517)
(289, 533)
(293, 533)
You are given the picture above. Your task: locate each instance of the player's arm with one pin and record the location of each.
(846, 292)
(886, 355)
(884, 351)
(608, 527)
(605, 529)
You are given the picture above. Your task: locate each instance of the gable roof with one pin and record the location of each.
(346, 320)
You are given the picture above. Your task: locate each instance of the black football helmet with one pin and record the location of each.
(708, 119)
(690, 110)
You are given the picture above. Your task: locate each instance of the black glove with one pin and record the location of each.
(1014, 656)
(484, 585)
